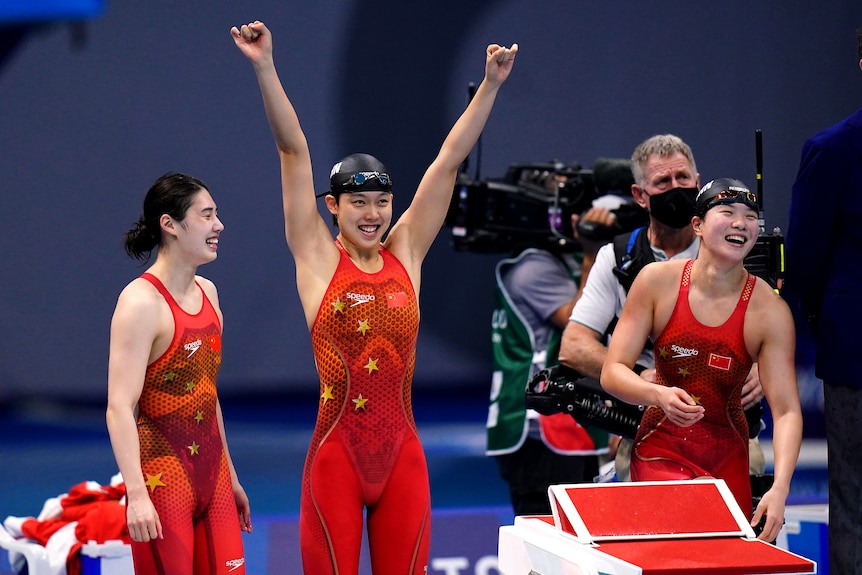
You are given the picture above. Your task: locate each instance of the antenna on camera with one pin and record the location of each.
(758, 157)
(766, 259)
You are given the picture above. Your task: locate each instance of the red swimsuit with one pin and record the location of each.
(182, 454)
(711, 364)
(365, 451)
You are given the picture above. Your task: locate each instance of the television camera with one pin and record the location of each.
(532, 205)
(560, 389)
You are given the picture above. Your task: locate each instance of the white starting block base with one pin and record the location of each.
(648, 528)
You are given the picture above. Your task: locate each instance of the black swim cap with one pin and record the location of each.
(358, 173)
(724, 191)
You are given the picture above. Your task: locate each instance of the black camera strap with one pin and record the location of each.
(632, 252)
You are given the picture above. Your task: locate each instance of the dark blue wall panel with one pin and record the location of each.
(88, 121)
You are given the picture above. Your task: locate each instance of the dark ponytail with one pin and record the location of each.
(171, 194)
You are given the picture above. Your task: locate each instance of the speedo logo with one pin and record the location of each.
(680, 351)
(234, 564)
(192, 347)
(359, 298)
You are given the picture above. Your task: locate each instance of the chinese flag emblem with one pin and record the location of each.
(396, 299)
(719, 362)
(215, 342)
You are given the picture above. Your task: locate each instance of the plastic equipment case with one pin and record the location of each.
(109, 558)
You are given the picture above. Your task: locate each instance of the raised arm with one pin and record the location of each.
(305, 230)
(415, 231)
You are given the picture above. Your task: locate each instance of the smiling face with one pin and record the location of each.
(197, 234)
(730, 230)
(363, 217)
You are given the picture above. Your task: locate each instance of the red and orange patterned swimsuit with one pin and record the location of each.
(182, 455)
(711, 364)
(365, 451)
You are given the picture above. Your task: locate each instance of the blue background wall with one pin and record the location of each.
(91, 114)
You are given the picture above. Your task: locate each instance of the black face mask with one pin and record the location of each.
(674, 208)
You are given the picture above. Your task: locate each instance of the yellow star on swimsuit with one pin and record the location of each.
(360, 402)
(683, 372)
(154, 481)
(327, 393)
(199, 416)
(170, 376)
(663, 352)
(371, 365)
(696, 399)
(193, 448)
(338, 306)
(190, 386)
(363, 326)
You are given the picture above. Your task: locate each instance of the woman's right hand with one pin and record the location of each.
(143, 520)
(680, 408)
(254, 40)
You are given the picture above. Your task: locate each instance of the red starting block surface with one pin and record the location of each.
(647, 528)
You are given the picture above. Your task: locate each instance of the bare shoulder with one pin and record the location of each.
(770, 309)
(766, 298)
(769, 324)
(314, 272)
(315, 247)
(399, 245)
(139, 293)
(317, 265)
(139, 305)
(655, 292)
(659, 275)
(209, 287)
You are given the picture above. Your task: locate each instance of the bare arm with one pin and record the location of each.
(134, 329)
(240, 497)
(778, 376)
(306, 232)
(637, 322)
(582, 347)
(415, 231)
(581, 350)
(242, 505)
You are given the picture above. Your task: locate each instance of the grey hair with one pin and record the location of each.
(664, 145)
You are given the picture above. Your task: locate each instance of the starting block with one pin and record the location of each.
(642, 528)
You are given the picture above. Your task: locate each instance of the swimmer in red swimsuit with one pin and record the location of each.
(710, 319)
(360, 296)
(710, 363)
(185, 505)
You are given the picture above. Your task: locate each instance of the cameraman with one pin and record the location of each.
(536, 291)
(666, 183)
